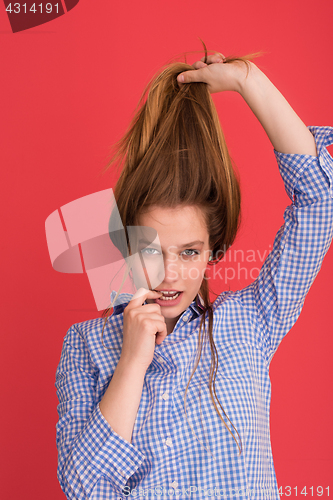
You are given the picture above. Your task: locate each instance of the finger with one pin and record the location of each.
(214, 58)
(160, 335)
(197, 75)
(199, 64)
(152, 322)
(151, 310)
(158, 325)
(141, 295)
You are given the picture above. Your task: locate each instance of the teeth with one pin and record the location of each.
(169, 298)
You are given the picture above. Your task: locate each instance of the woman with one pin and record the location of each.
(173, 399)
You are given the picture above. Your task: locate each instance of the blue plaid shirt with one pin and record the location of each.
(171, 456)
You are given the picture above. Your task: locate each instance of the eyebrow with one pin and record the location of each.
(192, 244)
(186, 245)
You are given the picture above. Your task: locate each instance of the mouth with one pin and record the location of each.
(168, 295)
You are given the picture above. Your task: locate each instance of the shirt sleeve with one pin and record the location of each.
(278, 294)
(88, 448)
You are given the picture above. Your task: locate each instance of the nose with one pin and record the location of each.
(171, 272)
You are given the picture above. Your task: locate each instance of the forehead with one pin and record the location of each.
(186, 223)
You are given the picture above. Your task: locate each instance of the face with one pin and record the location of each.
(182, 245)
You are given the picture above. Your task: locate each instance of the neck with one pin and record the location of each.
(170, 324)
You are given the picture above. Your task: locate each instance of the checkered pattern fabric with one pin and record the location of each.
(194, 456)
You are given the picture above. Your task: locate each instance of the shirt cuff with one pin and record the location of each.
(292, 166)
(100, 451)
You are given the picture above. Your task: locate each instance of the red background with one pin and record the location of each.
(68, 91)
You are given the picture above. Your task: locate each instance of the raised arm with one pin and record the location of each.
(276, 297)
(286, 131)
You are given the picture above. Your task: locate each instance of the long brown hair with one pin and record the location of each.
(174, 154)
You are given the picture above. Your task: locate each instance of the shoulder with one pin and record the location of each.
(93, 332)
(95, 344)
(85, 329)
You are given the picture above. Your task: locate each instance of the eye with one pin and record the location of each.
(149, 251)
(194, 252)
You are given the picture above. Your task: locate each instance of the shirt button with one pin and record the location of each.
(165, 396)
(120, 472)
(186, 317)
(168, 442)
(174, 485)
(161, 360)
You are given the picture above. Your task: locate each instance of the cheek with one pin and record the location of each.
(138, 272)
(195, 273)
(149, 272)
(138, 278)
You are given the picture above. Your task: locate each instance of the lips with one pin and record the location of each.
(168, 299)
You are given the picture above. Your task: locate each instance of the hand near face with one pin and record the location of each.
(144, 327)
